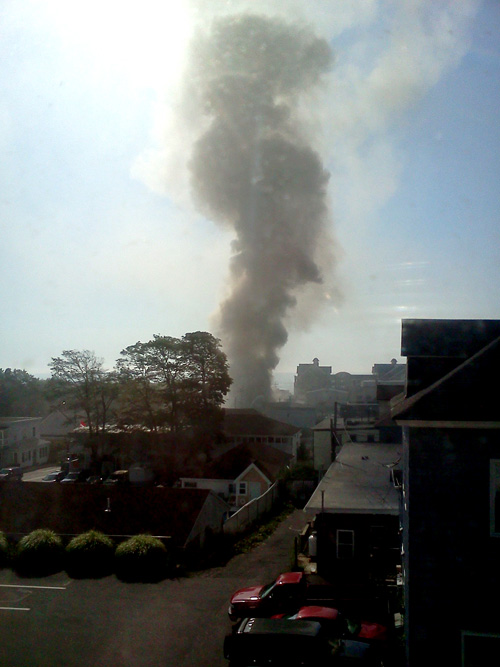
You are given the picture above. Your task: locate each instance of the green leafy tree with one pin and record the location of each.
(21, 394)
(174, 383)
(206, 379)
(140, 401)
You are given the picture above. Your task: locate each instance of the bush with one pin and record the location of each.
(90, 555)
(142, 558)
(4, 550)
(39, 553)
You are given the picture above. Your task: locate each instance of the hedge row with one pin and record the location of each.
(92, 554)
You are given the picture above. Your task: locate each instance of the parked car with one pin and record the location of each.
(94, 479)
(267, 641)
(56, 476)
(294, 643)
(13, 474)
(286, 595)
(75, 476)
(118, 477)
(337, 625)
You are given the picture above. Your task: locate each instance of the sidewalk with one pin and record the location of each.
(275, 555)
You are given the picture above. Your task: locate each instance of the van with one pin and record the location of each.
(272, 641)
(294, 643)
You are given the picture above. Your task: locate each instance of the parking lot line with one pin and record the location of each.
(15, 609)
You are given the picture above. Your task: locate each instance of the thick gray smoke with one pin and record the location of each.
(253, 171)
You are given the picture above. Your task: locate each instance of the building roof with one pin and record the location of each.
(59, 423)
(463, 396)
(446, 338)
(231, 464)
(5, 422)
(392, 373)
(76, 508)
(359, 481)
(249, 422)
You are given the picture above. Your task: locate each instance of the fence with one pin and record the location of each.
(250, 512)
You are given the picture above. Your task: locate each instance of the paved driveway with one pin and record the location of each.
(108, 623)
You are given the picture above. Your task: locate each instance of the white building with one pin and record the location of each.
(20, 442)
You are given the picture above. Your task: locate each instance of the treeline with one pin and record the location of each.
(22, 394)
(168, 384)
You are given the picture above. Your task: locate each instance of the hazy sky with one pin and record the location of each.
(103, 246)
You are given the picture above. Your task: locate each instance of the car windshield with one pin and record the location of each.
(267, 589)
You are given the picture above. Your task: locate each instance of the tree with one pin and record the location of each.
(80, 377)
(146, 372)
(206, 379)
(174, 383)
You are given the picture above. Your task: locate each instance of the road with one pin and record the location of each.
(39, 474)
(182, 622)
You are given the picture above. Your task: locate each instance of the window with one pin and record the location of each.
(232, 488)
(242, 488)
(345, 544)
(190, 485)
(34, 431)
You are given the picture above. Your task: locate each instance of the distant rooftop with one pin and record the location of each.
(251, 422)
(6, 421)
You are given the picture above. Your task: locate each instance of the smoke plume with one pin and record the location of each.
(253, 171)
(241, 116)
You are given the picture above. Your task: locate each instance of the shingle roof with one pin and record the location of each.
(60, 423)
(251, 422)
(76, 508)
(233, 462)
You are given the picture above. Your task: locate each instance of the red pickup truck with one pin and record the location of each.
(286, 594)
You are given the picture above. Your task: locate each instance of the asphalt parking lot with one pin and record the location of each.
(58, 621)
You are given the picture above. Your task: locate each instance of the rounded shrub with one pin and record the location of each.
(90, 555)
(39, 553)
(142, 558)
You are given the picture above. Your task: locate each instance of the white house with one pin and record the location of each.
(241, 474)
(20, 442)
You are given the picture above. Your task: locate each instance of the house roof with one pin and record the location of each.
(392, 373)
(359, 481)
(5, 422)
(446, 338)
(60, 423)
(463, 396)
(231, 464)
(74, 509)
(251, 422)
